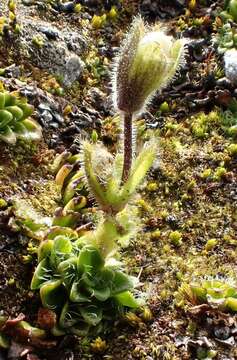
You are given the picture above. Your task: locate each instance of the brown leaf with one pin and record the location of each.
(13, 322)
(46, 319)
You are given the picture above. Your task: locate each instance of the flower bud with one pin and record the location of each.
(147, 61)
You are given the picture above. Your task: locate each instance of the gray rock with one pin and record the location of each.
(75, 42)
(60, 52)
(72, 69)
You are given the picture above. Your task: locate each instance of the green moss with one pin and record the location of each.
(206, 173)
(38, 40)
(210, 244)
(164, 107)
(219, 173)
(232, 149)
(3, 203)
(176, 238)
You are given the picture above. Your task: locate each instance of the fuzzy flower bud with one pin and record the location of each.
(147, 61)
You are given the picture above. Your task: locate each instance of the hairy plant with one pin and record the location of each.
(147, 61)
(220, 293)
(80, 278)
(77, 283)
(15, 121)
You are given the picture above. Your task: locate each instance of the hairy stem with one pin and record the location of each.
(127, 146)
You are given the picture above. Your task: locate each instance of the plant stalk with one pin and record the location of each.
(127, 146)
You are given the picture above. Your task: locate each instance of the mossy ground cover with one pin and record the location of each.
(187, 205)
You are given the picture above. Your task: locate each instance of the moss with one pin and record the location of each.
(3, 203)
(206, 173)
(164, 107)
(113, 13)
(210, 244)
(77, 8)
(98, 21)
(146, 314)
(232, 149)
(219, 173)
(176, 238)
(38, 40)
(155, 235)
(151, 187)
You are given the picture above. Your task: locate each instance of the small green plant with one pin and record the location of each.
(76, 282)
(203, 124)
(15, 121)
(220, 293)
(80, 278)
(226, 38)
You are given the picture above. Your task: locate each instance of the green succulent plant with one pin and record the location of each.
(69, 177)
(70, 180)
(226, 38)
(219, 293)
(15, 121)
(79, 284)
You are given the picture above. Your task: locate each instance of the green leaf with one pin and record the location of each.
(231, 303)
(42, 274)
(36, 332)
(27, 109)
(80, 329)
(91, 314)
(8, 136)
(45, 249)
(10, 99)
(90, 259)
(69, 219)
(100, 279)
(57, 331)
(53, 294)
(139, 169)
(20, 129)
(78, 294)
(126, 299)
(199, 292)
(2, 100)
(57, 230)
(69, 316)
(121, 283)
(95, 187)
(5, 118)
(68, 271)
(104, 278)
(73, 184)
(62, 249)
(4, 341)
(100, 294)
(16, 112)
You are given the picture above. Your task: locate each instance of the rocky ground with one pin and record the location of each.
(61, 61)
